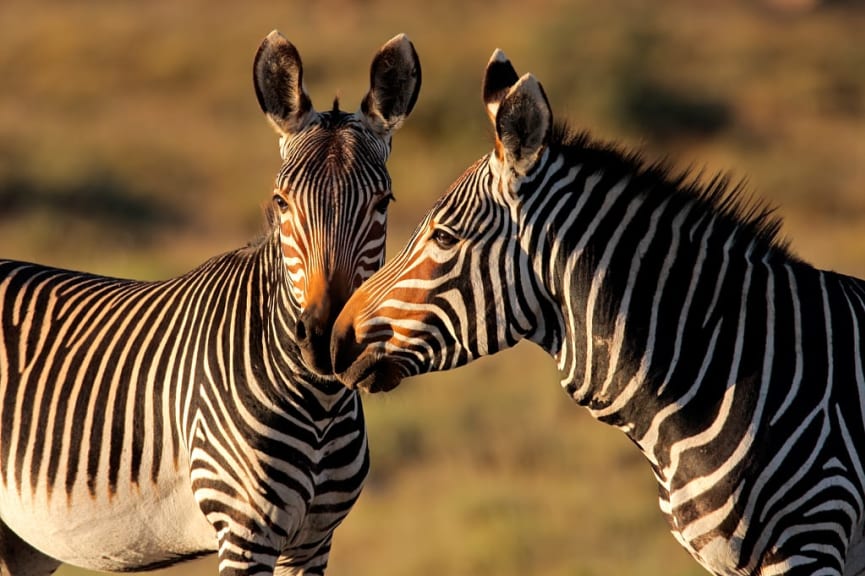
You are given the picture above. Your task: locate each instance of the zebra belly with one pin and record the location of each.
(138, 527)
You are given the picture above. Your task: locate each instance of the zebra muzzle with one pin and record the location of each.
(344, 348)
(362, 365)
(313, 337)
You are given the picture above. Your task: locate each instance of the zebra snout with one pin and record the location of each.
(312, 334)
(344, 348)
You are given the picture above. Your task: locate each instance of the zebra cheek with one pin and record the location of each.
(385, 379)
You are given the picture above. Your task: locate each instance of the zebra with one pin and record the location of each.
(675, 312)
(146, 423)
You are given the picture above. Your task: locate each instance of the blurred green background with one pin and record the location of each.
(131, 144)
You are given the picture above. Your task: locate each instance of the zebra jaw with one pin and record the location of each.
(358, 366)
(372, 373)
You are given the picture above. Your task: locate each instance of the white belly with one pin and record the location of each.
(139, 526)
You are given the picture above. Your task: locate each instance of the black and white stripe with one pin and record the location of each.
(145, 423)
(674, 313)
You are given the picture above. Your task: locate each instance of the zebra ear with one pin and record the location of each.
(498, 78)
(278, 77)
(523, 123)
(395, 79)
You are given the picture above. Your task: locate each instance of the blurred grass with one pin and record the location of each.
(131, 144)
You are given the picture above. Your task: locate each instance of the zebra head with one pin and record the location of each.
(333, 190)
(452, 294)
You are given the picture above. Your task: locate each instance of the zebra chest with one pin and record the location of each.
(339, 469)
(296, 475)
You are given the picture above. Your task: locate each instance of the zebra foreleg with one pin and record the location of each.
(242, 553)
(18, 558)
(289, 570)
(316, 565)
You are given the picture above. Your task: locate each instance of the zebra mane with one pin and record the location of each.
(729, 200)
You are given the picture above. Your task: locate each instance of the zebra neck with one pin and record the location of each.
(285, 366)
(651, 302)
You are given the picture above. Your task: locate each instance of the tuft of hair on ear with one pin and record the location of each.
(499, 77)
(395, 80)
(277, 73)
(523, 124)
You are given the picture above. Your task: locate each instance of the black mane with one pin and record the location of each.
(720, 195)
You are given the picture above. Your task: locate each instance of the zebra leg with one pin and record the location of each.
(18, 558)
(316, 565)
(243, 554)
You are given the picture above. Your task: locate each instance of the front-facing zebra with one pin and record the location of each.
(145, 423)
(674, 314)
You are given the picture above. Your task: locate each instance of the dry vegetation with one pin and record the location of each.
(131, 144)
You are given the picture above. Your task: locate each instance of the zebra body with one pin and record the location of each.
(146, 423)
(144, 478)
(673, 313)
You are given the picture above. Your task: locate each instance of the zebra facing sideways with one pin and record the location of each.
(146, 423)
(674, 314)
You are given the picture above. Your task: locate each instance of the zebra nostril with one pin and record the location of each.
(300, 331)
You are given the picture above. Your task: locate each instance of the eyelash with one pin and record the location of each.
(384, 202)
(280, 202)
(444, 239)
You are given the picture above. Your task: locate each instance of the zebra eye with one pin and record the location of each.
(280, 203)
(383, 203)
(444, 239)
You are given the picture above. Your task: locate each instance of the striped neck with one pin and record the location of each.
(631, 261)
(281, 311)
